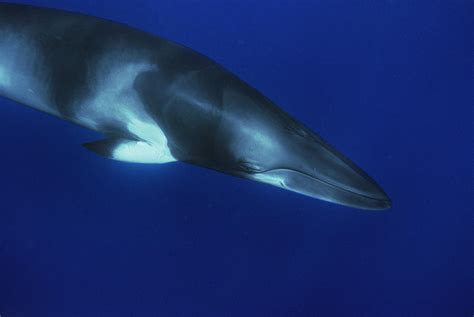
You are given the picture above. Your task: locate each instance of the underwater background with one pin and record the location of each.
(388, 83)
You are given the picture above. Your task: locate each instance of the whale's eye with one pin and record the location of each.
(249, 167)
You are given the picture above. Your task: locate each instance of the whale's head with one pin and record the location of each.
(267, 145)
(214, 120)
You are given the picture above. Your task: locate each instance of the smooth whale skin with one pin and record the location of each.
(156, 101)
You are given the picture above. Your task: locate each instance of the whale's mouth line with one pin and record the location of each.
(338, 187)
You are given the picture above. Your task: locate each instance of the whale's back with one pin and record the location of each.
(50, 59)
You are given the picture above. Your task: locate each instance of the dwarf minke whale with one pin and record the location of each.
(156, 101)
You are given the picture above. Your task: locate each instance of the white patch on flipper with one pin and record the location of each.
(140, 152)
(114, 99)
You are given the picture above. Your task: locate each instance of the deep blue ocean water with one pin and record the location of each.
(389, 83)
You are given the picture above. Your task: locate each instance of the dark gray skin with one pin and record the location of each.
(157, 101)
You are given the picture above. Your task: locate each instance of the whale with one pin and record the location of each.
(154, 101)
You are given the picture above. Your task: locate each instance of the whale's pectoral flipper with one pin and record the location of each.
(129, 150)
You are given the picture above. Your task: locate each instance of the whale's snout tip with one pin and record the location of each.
(368, 196)
(316, 169)
(384, 202)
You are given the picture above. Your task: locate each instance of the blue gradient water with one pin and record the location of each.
(389, 83)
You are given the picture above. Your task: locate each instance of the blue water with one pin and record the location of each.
(389, 83)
